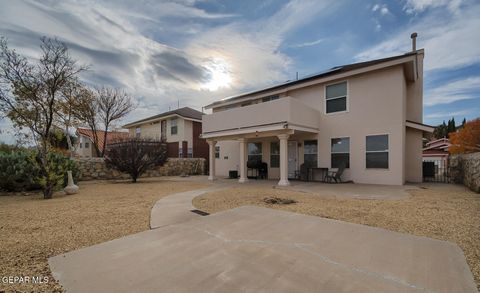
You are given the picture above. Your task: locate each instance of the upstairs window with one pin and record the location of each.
(340, 152)
(173, 127)
(377, 152)
(87, 145)
(336, 97)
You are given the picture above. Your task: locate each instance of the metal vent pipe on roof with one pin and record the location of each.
(414, 41)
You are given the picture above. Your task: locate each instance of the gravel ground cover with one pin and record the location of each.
(33, 229)
(445, 212)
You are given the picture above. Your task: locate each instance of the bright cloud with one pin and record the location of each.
(463, 89)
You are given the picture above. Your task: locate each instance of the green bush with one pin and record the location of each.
(19, 171)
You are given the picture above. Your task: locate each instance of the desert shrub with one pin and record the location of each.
(20, 171)
(134, 156)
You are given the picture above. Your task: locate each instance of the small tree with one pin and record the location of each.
(134, 156)
(467, 139)
(30, 93)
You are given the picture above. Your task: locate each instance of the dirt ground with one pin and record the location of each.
(445, 212)
(33, 229)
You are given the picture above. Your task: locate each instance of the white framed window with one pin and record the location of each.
(274, 154)
(336, 97)
(173, 126)
(376, 156)
(190, 152)
(310, 153)
(217, 152)
(340, 152)
(138, 131)
(180, 152)
(87, 145)
(255, 151)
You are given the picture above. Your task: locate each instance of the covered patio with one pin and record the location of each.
(285, 121)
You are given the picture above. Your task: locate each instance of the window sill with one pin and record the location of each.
(339, 112)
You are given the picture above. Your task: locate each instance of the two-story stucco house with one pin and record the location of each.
(367, 116)
(180, 128)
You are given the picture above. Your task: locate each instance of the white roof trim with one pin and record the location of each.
(418, 126)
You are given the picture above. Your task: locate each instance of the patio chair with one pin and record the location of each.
(335, 176)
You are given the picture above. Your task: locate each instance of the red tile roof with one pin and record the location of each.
(111, 136)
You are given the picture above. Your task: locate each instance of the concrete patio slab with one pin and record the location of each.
(252, 249)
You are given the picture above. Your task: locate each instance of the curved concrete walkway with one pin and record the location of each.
(175, 208)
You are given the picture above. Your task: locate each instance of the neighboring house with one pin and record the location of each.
(366, 115)
(180, 128)
(85, 147)
(436, 150)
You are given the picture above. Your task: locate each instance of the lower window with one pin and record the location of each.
(310, 153)
(274, 154)
(377, 151)
(255, 151)
(340, 152)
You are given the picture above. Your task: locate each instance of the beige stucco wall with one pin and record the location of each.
(415, 95)
(153, 130)
(413, 155)
(84, 152)
(379, 102)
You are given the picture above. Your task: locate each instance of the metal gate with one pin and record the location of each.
(435, 171)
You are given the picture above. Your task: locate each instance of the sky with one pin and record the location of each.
(194, 52)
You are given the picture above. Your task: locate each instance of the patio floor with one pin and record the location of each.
(251, 249)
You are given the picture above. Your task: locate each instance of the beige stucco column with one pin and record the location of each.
(211, 159)
(243, 160)
(283, 160)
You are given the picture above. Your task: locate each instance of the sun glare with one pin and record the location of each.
(219, 75)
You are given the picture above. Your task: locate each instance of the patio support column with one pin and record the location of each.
(211, 159)
(283, 160)
(243, 161)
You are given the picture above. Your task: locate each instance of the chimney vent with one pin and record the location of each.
(414, 41)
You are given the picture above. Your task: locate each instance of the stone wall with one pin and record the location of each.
(465, 168)
(95, 169)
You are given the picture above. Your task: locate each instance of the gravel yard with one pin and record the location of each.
(33, 229)
(445, 212)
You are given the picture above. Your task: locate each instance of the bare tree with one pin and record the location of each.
(113, 104)
(99, 109)
(29, 95)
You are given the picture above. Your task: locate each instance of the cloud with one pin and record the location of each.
(416, 6)
(381, 8)
(463, 89)
(437, 115)
(307, 44)
(448, 40)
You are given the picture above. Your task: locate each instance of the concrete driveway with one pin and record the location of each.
(252, 249)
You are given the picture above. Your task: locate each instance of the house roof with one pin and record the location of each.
(332, 71)
(112, 135)
(185, 112)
